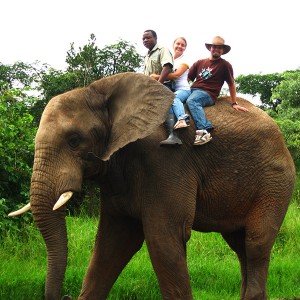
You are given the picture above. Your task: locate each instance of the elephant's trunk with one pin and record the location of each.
(57, 250)
(52, 225)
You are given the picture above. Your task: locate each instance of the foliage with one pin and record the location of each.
(291, 132)
(91, 63)
(53, 83)
(288, 90)
(86, 65)
(15, 226)
(17, 75)
(119, 58)
(16, 145)
(263, 85)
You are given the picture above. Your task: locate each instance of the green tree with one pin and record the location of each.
(84, 62)
(291, 132)
(21, 75)
(288, 90)
(16, 145)
(261, 85)
(53, 83)
(85, 65)
(119, 58)
(91, 63)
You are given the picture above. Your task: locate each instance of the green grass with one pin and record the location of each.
(213, 267)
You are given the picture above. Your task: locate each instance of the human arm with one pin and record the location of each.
(234, 104)
(155, 76)
(179, 71)
(166, 70)
(192, 74)
(173, 75)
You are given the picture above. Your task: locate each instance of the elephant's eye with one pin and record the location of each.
(74, 140)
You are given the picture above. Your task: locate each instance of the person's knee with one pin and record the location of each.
(189, 102)
(193, 102)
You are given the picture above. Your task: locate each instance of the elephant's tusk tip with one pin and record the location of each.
(20, 211)
(62, 200)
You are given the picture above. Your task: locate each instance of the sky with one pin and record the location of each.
(263, 34)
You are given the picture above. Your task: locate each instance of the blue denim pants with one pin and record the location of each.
(177, 106)
(195, 102)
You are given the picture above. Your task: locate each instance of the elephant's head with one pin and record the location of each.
(76, 129)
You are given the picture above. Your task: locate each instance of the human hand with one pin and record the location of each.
(239, 107)
(154, 76)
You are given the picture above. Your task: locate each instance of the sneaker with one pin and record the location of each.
(201, 132)
(202, 139)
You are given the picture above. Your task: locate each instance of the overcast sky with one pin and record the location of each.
(264, 34)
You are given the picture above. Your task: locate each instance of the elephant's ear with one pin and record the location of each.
(136, 104)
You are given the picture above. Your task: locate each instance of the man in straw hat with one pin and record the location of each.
(208, 76)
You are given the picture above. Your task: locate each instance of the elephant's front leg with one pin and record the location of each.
(118, 239)
(166, 243)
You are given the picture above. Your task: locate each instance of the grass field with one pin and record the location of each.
(213, 267)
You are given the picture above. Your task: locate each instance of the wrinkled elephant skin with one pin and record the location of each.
(239, 184)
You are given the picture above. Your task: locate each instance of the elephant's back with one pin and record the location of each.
(251, 139)
(242, 139)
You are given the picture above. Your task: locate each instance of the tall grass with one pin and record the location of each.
(213, 267)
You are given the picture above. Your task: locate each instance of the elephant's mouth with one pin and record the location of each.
(94, 166)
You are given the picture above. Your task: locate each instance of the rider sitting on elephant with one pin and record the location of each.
(208, 76)
(159, 60)
(181, 85)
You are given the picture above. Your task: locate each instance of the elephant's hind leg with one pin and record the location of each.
(236, 241)
(118, 239)
(253, 248)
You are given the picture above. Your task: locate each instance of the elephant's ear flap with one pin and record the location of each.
(136, 104)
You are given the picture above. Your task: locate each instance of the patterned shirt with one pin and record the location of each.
(210, 75)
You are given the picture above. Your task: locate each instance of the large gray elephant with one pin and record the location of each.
(239, 184)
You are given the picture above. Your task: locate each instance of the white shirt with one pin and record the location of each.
(181, 82)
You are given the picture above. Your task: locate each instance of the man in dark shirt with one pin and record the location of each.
(208, 76)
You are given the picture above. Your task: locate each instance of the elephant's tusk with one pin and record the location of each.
(62, 199)
(20, 211)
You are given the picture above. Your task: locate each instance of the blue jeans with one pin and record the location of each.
(195, 102)
(177, 106)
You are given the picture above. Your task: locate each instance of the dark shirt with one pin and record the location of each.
(210, 75)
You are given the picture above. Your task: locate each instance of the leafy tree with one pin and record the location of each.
(91, 63)
(53, 83)
(21, 75)
(288, 90)
(86, 65)
(291, 132)
(16, 145)
(85, 62)
(261, 85)
(119, 58)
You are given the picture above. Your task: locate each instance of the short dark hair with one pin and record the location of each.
(152, 31)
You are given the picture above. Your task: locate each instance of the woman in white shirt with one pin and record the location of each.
(180, 83)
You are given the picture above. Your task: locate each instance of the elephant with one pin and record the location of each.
(239, 185)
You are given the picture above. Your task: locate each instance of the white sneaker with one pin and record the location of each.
(201, 132)
(202, 139)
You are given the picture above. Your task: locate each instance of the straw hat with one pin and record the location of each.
(218, 41)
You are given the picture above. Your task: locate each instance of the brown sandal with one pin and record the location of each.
(180, 124)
